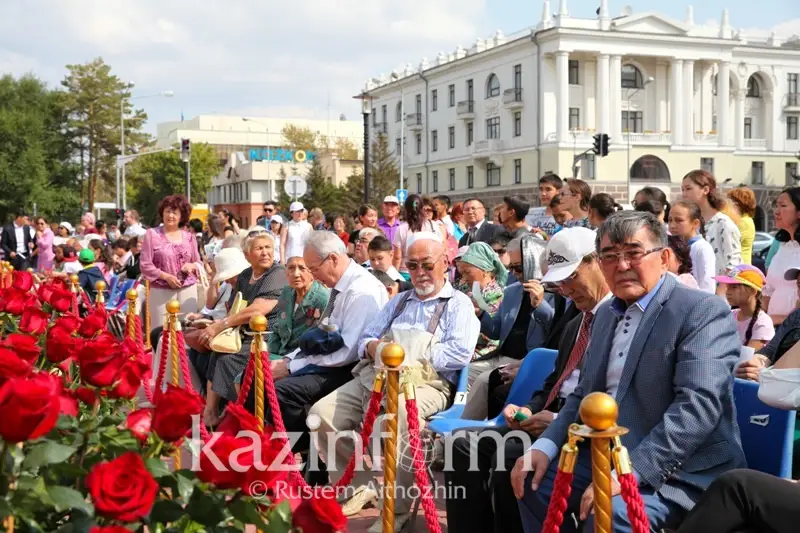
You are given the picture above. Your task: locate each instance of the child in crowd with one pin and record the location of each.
(90, 273)
(685, 220)
(560, 214)
(132, 270)
(380, 257)
(121, 254)
(103, 258)
(70, 264)
(541, 218)
(744, 286)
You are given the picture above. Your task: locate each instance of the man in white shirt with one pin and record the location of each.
(448, 317)
(133, 228)
(442, 205)
(18, 241)
(478, 228)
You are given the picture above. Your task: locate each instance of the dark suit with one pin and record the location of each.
(490, 504)
(8, 243)
(486, 233)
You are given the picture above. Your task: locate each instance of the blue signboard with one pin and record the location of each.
(281, 155)
(402, 195)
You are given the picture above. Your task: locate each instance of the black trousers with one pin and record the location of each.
(486, 502)
(299, 392)
(746, 500)
(498, 393)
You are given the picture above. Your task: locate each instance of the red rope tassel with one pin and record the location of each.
(370, 416)
(558, 502)
(420, 471)
(634, 503)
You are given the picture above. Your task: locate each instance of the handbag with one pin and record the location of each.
(230, 340)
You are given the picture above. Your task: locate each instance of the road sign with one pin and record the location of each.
(295, 186)
(402, 195)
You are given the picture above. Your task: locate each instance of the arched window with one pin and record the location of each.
(398, 112)
(753, 89)
(631, 77)
(650, 168)
(492, 86)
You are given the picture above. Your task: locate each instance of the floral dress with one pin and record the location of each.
(726, 240)
(295, 318)
(492, 294)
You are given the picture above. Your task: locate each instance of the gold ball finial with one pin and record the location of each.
(74, 279)
(131, 295)
(599, 411)
(392, 355)
(100, 286)
(258, 323)
(30, 270)
(173, 307)
(10, 268)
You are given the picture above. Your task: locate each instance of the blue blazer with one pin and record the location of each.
(675, 394)
(499, 326)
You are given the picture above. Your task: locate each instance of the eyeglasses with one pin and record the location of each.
(314, 269)
(516, 267)
(499, 251)
(632, 257)
(269, 209)
(428, 266)
(257, 232)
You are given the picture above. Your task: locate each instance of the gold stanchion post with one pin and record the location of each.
(173, 307)
(130, 315)
(259, 325)
(392, 356)
(100, 297)
(147, 314)
(3, 274)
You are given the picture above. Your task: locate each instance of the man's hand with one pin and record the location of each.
(588, 498)
(535, 290)
(750, 369)
(12, 255)
(280, 368)
(536, 424)
(509, 372)
(508, 414)
(372, 347)
(537, 463)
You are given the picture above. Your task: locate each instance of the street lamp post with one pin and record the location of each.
(366, 102)
(631, 94)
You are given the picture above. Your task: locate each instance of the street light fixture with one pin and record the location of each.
(631, 94)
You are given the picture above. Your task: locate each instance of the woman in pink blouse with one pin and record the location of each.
(44, 246)
(170, 260)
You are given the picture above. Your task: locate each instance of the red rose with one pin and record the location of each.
(228, 476)
(22, 280)
(68, 403)
(100, 360)
(45, 292)
(172, 418)
(68, 322)
(86, 395)
(131, 375)
(61, 299)
(60, 345)
(30, 407)
(94, 322)
(139, 423)
(237, 419)
(109, 529)
(27, 347)
(12, 366)
(122, 489)
(34, 321)
(14, 301)
(319, 514)
(267, 470)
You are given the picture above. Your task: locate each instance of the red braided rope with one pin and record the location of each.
(247, 381)
(75, 310)
(183, 359)
(634, 503)
(420, 471)
(370, 416)
(558, 502)
(162, 362)
(85, 300)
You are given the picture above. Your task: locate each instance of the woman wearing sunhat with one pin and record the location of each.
(744, 286)
(296, 232)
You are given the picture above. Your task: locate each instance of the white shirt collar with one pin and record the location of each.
(479, 224)
(353, 271)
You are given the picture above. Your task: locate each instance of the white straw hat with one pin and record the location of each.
(229, 262)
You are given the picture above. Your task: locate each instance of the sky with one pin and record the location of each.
(298, 59)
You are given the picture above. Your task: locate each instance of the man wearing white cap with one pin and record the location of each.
(391, 217)
(438, 329)
(295, 233)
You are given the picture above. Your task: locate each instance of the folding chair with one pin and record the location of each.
(460, 398)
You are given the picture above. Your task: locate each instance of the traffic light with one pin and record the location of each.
(598, 142)
(604, 145)
(185, 149)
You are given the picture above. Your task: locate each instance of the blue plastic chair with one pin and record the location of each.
(460, 400)
(767, 433)
(536, 366)
(112, 285)
(119, 294)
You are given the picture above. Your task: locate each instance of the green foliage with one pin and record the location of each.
(154, 176)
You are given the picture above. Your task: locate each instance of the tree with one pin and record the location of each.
(35, 166)
(94, 100)
(154, 176)
(342, 146)
(300, 138)
(384, 174)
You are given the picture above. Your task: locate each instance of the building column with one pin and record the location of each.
(589, 112)
(676, 101)
(562, 96)
(706, 96)
(688, 102)
(723, 102)
(616, 99)
(603, 96)
(661, 122)
(775, 121)
(739, 117)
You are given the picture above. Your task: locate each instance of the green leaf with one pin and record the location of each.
(205, 509)
(65, 498)
(157, 467)
(78, 523)
(166, 511)
(279, 518)
(47, 453)
(247, 513)
(185, 485)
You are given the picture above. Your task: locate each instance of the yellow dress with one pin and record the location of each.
(748, 230)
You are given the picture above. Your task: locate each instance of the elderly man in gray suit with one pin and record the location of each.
(666, 353)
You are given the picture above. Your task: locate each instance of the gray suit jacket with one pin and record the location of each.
(675, 394)
(499, 326)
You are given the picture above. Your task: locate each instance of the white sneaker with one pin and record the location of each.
(400, 521)
(363, 497)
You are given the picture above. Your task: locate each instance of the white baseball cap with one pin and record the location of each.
(296, 206)
(391, 200)
(277, 218)
(566, 250)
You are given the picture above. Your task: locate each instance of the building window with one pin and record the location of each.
(574, 118)
(631, 77)
(419, 183)
(792, 86)
(435, 181)
(791, 128)
(493, 128)
(748, 128)
(518, 76)
(434, 141)
(791, 175)
(492, 86)
(757, 173)
(632, 121)
(434, 99)
(753, 89)
(588, 166)
(451, 90)
(374, 117)
(517, 171)
(398, 112)
(517, 123)
(707, 164)
(470, 91)
(470, 133)
(383, 116)
(574, 72)
(419, 143)
(451, 137)
(492, 175)
(452, 178)
(397, 146)
(470, 177)
(418, 104)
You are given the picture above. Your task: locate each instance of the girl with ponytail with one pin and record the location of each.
(686, 220)
(744, 286)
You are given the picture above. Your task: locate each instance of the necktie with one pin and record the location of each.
(472, 231)
(331, 302)
(574, 357)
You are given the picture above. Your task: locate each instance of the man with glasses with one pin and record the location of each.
(666, 353)
(437, 326)
(478, 228)
(270, 208)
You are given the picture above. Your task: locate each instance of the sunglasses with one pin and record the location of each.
(269, 210)
(428, 265)
(516, 267)
(499, 251)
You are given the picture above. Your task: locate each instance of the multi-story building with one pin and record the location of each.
(490, 120)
